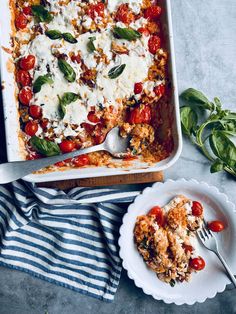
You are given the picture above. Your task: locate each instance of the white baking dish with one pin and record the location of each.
(11, 113)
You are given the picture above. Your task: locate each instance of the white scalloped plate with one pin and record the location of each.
(204, 284)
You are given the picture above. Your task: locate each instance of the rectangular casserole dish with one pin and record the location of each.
(14, 144)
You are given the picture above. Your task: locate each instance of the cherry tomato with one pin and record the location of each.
(154, 43)
(197, 209)
(159, 90)
(158, 213)
(80, 161)
(44, 123)
(92, 117)
(60, 164)
(89, 128)
(95, 10)
(144, 31)
(31, 128)
(99, 136)
(216, 226)
(27, 10)
(33, 156)
(21, 21)
(35, 111)
(23, 77)
(76, 58)
(138, 88)
(187, 248)
(67, 146)
(140, 115)
(25, 95)
(153, 12)
(27, 63)
(197, 263)
(124, 14)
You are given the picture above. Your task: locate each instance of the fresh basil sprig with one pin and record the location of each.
(90, 44)
(54, 34)
(41, 13)
(45, 147)
(126, 33)
(213, 135)
(40, 81)
(116, 71)
(65, 100)
(67, 70)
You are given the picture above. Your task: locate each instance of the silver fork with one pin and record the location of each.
(209, 241)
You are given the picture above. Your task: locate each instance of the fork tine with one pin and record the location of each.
(201, 235)
(204, 231)
(207, 229)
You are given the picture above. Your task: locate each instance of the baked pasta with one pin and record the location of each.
(84, 67)
(166, 239)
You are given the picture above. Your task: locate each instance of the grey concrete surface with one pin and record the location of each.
(205, 41)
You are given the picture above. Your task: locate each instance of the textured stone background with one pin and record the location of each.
(205, 45)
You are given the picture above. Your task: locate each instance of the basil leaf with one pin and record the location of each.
(67, 70)
(40, 81)
(172, 283)
(70, 38)
(126, 33)
(65, 100)
(223, 148)
(196, 97)
(189, 120)
(45, 147)
(53, 34)
(217, 166)
(90, 44)
(41, 13)
(116, 71)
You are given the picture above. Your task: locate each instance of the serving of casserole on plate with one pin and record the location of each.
(78, 69)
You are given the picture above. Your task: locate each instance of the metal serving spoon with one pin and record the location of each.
(114, 144)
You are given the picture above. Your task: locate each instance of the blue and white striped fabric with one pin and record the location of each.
(69, 239)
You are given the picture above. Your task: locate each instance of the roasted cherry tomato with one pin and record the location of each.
(159, 90)
(99, 136)
(140, 115)
(67, 146)
(33, 156)
(76, 58)
(80, 161)
(44, 123)
(144, 31)
(138, 88)
(95, 10)
(27, 10)
(197, 263)
(89, 128)
(60, 164)
(25, 95)
(158, 213)
(27, 63)
(21, 21)
(35, 111)
(124, 14)
(92, 117)
(216, 226)
(187, 248)
(197, 209)
(23, 78)
(154, 43)
(152, 12)
(31, 128)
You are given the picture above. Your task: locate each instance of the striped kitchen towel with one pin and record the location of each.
(70, 239)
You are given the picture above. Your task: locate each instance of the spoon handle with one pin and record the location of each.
(11, 171)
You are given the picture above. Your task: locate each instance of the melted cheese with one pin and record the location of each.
(133, 4)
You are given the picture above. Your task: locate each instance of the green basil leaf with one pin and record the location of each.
(90, 44)
(67, 70)
(126, 33)
(228, 126)
(196, 97)
(70, 38)
(172, 283)
(40, 81)
(116, 71)
(223, 148)
(65, 100)
(189, 120)
(41, 13)
(217, 166)
(45, 147)
(53, 34)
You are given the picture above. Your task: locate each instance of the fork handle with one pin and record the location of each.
(226, 268)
